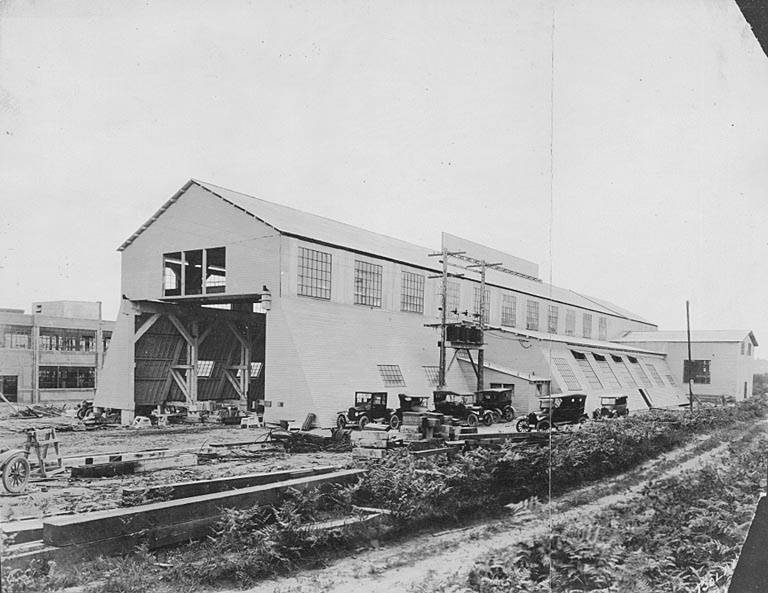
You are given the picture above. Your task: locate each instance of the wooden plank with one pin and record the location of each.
(179, 490)
(25, 530)
(124, 456)
(119, 468)
(96, 526)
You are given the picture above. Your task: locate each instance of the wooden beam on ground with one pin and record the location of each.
(119, 468)
(124, 456)
(179, 490)
(164, 523)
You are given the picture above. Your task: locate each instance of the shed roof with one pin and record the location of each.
(319, 229)
(711, 335)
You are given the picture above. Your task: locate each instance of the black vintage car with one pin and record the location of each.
(611, 406)
(554, 411)
(411, 403)
(462, 407)
(498, 401)
(369, 406)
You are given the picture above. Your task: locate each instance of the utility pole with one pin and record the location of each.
(443, 254)
(483, 265)
(690, 362)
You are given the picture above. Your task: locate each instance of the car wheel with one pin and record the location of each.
(488, 418)
(583, 419)
(394, 422)
(472, 420)
(509, 414)
(341, 421)
(363, 422)
(543, 425)
(16, 474)
(522, 425)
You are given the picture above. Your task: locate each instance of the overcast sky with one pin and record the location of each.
(406, 118)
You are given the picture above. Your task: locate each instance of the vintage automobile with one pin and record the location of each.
(462, 407)
(498, 401)
(611, 406)
(554, 411)
(411, 403)
(369, 406)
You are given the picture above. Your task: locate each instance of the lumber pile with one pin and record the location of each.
(68, 538)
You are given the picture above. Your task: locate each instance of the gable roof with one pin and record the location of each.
(711, 335)
(319, 229)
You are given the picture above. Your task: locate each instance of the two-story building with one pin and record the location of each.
(54, 354)
(345, 310)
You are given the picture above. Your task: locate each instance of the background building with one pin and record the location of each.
(723, 360)
(53, 354)
(346, 309)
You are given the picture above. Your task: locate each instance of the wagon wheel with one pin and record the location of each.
(16, 474)
(394, 422)
(472, 420)
(509, 414)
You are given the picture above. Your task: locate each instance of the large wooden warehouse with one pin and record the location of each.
(319, 309)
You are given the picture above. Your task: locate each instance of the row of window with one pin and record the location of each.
(600, 374)
(205, 369)
(53, 339)
(392, 376)
(61, 377)
(314, 280)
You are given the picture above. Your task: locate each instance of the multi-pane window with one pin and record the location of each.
(671, 379)
(452, 296)
(106, 339)
(16, 336)
(368, 283)
(432, 373)
(552, 318)
(67, 340)
(570, 322)
(743, 347)
(608, 377)
(193, 272)
(698, 371)
(204, 368)
(391, 374)
(654, 374)
(255, 370)
(566, 372)
(602, 328)
(62, 377)
(639, 371)
(626, 376)
(486, 304)
(586, 368)
(508, 310)
(314, 273)
(749, 349)
(412, 293)
(587, 325)
(532, 315)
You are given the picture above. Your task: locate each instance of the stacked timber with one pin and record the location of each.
(370, 444)
(411, 428)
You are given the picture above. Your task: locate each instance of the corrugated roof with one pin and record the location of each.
(573, 340)
(313, 227)
(712, 335)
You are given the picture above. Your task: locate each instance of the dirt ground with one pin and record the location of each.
(63, 494)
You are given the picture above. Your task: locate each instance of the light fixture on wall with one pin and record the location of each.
(266, 298)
